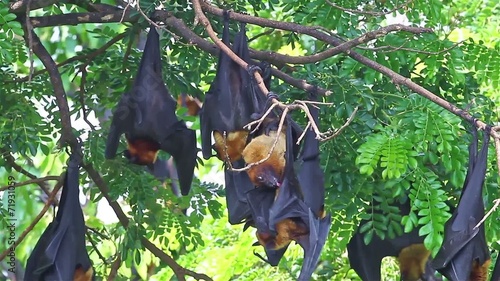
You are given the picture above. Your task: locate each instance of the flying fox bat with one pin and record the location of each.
(496, 271)
(146, 115)
(192, 104)
(60, 253)
(291, 217)
(229, 103)
(413, 257)
(464, 254)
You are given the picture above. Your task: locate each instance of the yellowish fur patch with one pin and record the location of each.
(412, 260)
(235, 143)
(259, 148)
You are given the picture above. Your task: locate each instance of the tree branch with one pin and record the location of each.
(38, 181)
(56, 81)
(88, 57)
(179, 271)
(395, 77)
(12, 162)
(37, 218)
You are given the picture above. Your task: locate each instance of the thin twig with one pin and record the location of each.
(339, 130)
(31, 181)
(96, 249)
(495, 206)
(369, 13)
(278, 134)
(308, 126)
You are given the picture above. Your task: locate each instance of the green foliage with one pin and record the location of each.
(398, 145)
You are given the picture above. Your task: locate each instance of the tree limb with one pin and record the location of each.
(179, 271)
(46, 206)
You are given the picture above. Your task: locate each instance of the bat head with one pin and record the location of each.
(269, 172)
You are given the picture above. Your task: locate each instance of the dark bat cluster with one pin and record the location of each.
(271, 197)
(464, 254)
(280, 192)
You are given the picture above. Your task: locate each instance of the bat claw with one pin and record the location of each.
(251, 69)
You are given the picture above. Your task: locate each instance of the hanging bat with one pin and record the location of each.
(290, 217)
(464, 254)
(413, 257)
(60, 253)
(496, 271)
(146, 115)
(230, 102)
(192, 104)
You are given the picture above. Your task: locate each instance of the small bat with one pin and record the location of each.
(290, 217)
(60, 253)
(464, 254)
(413, 257)
(146, 115)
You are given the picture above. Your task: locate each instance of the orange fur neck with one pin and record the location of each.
(144, 151)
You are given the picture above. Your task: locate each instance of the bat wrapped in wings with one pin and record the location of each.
(228, 107)
(289, 217)
(60, 253)
(229, 104)
(146, 115)
(408, 248)
(292, 216)
(464, 254)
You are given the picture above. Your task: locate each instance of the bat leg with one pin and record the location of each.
(313, 244)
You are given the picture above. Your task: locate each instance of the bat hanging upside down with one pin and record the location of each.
(146, 115)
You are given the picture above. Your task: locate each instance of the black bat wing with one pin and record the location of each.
(210, 109)
(463, 243)
(255, 97)
(61, 249)
(182, 146)
(313, 244)
(311, 176)
(496, 271)
(237, 185)
(289, 204)
(367, 259)
(260, 201)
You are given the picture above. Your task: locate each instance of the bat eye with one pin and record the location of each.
(260, 178)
